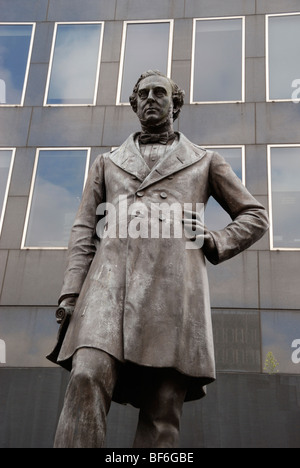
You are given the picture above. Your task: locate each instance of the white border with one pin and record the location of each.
(2, 212)
(33, 180)
(52, 58)
(28, 61)
(122, 58)
(242, 147)
(243, 59)
(269, 148)
(267, 60)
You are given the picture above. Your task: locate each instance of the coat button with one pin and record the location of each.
(140, 194)
(163, 195)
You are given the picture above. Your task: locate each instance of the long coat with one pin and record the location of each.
(146, 300)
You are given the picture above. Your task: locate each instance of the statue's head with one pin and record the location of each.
(156, 99)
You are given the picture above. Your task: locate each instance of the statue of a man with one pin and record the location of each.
(141, 328)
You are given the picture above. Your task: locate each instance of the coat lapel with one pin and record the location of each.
(183, 155)
(128, 158)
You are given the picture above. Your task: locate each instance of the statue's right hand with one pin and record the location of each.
(66, 307)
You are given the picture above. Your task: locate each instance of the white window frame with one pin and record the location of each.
(32, 186)
(268, 62)
(21, 104)
(52, 58)
(271, 230)
(123, 47)
(242, 147)
(2, 212)
(243, 65)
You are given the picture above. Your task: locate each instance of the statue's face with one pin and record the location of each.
(154, 102)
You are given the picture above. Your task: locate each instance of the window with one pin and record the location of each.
(74, 65)
(218, 60)
(15, 51)
(282, 58)
(280, 341)
(146, 45)
(215, 217)
(284, 196)
(56, 191)
(6, 165)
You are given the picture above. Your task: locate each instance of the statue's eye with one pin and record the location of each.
(143, 94)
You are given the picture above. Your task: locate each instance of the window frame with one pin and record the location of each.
(267, 65)
(56, 25)
(9, 177)
(21, 104)
(32, 186)
(270, 197)
(243, 83)
(123, 47)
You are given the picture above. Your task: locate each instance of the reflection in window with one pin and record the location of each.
(284, 171)
(6, 163)
(75, 64)
(283, 55)
(15, 49)
(56, 193)
(145, 46)
(218, 61)
(215, 217)
(281, 337)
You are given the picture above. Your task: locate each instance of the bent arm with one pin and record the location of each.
(82, 248)
(249, 217)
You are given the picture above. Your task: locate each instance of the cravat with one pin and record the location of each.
(161, 138)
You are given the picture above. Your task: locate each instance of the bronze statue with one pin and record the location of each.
(141, 329)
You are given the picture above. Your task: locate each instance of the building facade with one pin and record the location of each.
(66, 71)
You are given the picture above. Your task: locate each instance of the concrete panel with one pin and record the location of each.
(182, 45)
(181, 76)
(255, 80)
(143, 9)
(111, 48)
(42, 42)
(13, 224)
(119, 123)
(255, 36)
(66, 126)
(269, 122)
(220, 124)
(29, 335)
(14, 124)
(18, 10)
(3, 260)
(108, 84)
(277, 6)
(36, 85)
(92, 10)
(256, 169)
(33, 277)
(235, 283)
(22, 172)
(202, 8)
(279, 280)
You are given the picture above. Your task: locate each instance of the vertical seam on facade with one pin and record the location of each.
(4, 274)
(29, 127)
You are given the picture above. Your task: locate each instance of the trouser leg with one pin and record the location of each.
(82, 423)
(160, 413)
